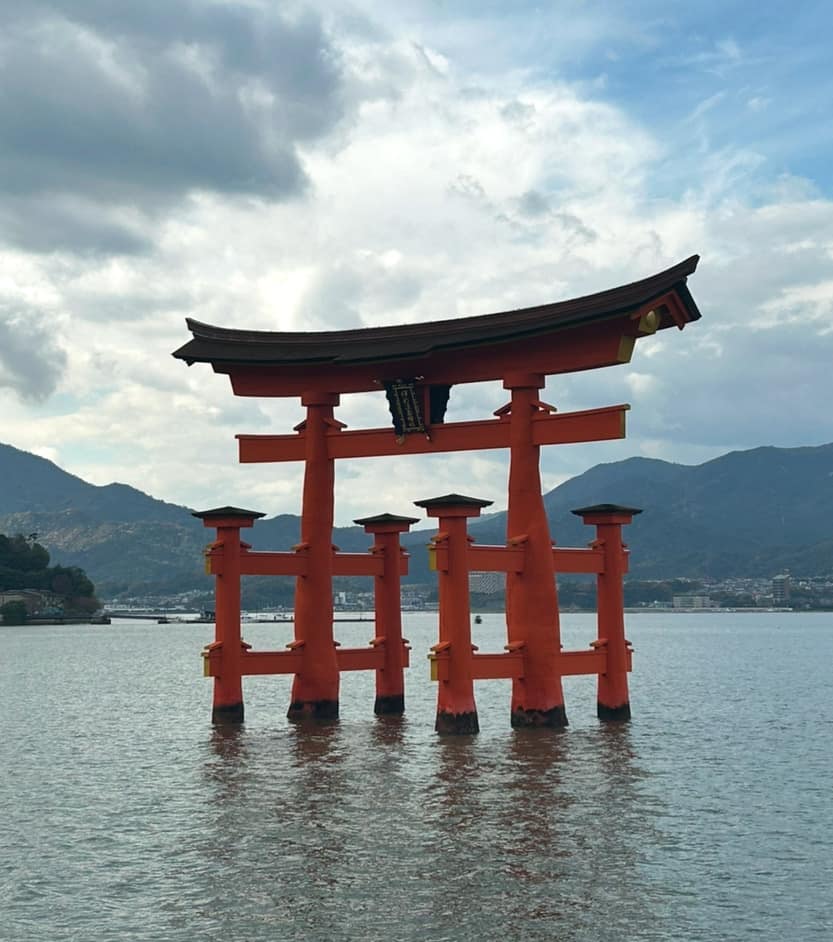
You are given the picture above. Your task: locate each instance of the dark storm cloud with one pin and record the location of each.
(30, 361)
(46, 223)
(139, 104)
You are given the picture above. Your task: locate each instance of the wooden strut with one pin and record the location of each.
(228, 658)
(480, 558)
(456, 662)
(454, 653)
(546, 429)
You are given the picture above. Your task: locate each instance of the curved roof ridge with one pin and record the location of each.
(673, 275)
(229, 346)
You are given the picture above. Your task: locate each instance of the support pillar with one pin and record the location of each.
(613, 702)
(228, 646)
(456, 709)
(531, 598)
(390, 680)
(315, 688)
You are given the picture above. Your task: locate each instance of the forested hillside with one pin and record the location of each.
(24, 564)
(745, 514)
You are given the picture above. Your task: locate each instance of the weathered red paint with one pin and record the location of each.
(498, 666)
(531, 600)
(589, 425)
(228, 658)
(613, 702)
(315, 688)
(456, 709)
(225, 655)
(533, 658)
(584, 348)
(390, 678)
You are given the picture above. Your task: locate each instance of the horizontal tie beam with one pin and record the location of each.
(495, 558)
(573, 559)
(256, 662)
(361, 659)
(497, 666)
(273, 564)
(480, 558)
(292, 662)
(297, 564)
(511, 664)
(364, 564)
(573, 663)
(590, 425)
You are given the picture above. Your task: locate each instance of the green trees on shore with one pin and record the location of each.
(24, 565)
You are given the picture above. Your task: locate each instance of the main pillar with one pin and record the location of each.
(531, 599)
(390, 681)
(456, 709)
(228, 646)
(315, 688)
(613, 702)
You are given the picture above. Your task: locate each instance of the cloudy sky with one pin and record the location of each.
(341, 164)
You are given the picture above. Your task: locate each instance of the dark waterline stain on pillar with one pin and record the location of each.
(231, 713)
(456, 724)
(613, 714)
(313, 710)
(389, 705)
(556, 718)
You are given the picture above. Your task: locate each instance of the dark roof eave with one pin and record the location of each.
(228, 346)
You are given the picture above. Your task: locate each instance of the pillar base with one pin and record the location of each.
(457, 724)
(613, 714)
(228, 714)
(389, 705)
(313, 710)
(556, 718)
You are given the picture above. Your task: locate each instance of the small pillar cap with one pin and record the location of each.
(453, 500)
(226, 512)
(381, 520)
(453, 505)
(596, 509)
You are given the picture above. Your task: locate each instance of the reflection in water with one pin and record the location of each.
(575, 835)
(534, 759)
(457, 773)
(310, 743)
(328, 830)
(537, 815)
(227, 765)
(227, 741)
(312, 816)
(618, 753)
(389, 758)
(389, 730)
(655, 830)
(276, 838)
(538, 753)
(611, 829)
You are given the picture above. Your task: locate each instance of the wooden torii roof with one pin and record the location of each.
(565, 336)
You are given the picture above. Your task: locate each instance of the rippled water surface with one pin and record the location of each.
(709, 817)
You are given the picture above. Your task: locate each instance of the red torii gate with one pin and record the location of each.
(416, 365)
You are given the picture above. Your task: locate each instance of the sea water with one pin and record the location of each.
(125, 816)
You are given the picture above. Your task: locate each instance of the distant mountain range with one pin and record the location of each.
(125, 540)
(745, 514)
(748, 513)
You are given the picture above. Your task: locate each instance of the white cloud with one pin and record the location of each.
(452, 190)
